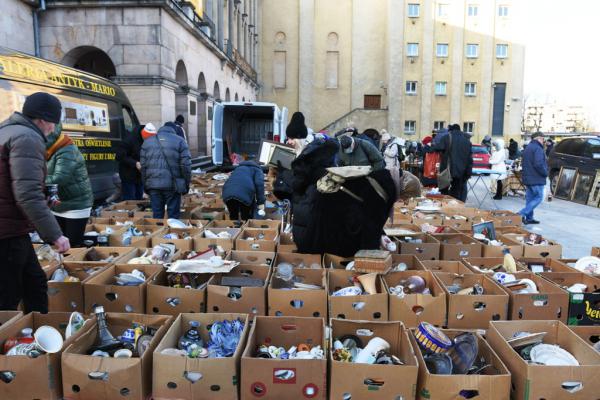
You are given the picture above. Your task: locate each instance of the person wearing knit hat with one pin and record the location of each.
(127, 154)
(426, 140)
(24, 204)
(148, 131)
(297, 133)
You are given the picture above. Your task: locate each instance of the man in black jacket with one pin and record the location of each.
(457, 146)
(128, 156)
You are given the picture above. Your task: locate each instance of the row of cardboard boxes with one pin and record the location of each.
(440, 307)
(266, 235)
(74, 374)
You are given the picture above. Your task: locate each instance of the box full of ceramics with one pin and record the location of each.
(584, 296)
(357, 296)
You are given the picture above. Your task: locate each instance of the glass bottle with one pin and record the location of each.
(105, 341)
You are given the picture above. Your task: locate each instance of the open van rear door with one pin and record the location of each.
(283, 121)
(217, 134)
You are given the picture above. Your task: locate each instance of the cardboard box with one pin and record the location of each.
(264, 258)
(591, 334)
(497, 251)
(454, 247)
(261, 377)
(484, 265)
(431, 219)
(8, 317)
(453, 267)
(366, 307)
(185, 241)
(68, 296)
(111, 378)
(428, 249)
(338, 262)
(269, 243)
(102, 289)
(46, 264)
(359, 387)
(300, 303)
(201, 242)
(505, 218)
(539, 265)
(166, 300)
(460, 224)
(493, 384)
(40, 377)
(584, 308)
(595, 251)
(530, 381)
(142, 242)
(113, 238)
(550, 303)
(552, 249)
(474, 311)
(251, 300)
(503, 230)
(286, 243)
(226, 223)
(116, 253)
(119, 210)
(413, 309)
(411, 261)
(379, 261)
(220, 376)
(299, 260)
(401, 229)
(264, 224)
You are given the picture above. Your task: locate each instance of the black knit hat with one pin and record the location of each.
(44, 106)
(345, 142)
(296, 128)
(180, 119)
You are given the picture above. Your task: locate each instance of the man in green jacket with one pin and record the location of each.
(355, 151)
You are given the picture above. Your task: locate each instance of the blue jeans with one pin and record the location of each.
(533, 197)
(132, 190)
(160, 198)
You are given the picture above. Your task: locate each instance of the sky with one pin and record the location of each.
(562, 54)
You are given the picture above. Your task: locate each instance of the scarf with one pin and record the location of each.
(62, 141)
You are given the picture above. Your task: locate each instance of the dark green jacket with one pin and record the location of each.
(364, 154)
(67, 169)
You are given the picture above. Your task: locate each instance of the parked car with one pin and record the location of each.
(581, 152)
(481, 156)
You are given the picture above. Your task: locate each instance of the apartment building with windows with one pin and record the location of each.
(409, 66)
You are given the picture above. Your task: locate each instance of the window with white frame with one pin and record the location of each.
(442, 10)
(437, 125)
(440, 88)
(468, 127)
(501, 51)
(441, 50)
(470, 89)
(413, 10)
(472, 10)
(503, 11)
(472, 50)
(411, 87)
(410, 126)
(412, 49)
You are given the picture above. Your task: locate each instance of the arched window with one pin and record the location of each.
(332, 59)
(279, 61)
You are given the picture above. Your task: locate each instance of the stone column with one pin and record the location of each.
(220, 22)
(306, 58)
(395, 60)
(230, 27)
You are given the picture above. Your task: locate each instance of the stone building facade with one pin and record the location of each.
(405, 65)
(171, 57)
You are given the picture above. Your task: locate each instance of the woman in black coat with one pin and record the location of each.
(128, 157)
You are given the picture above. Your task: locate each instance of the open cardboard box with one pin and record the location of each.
(365, 307)
(401, 229)
(539, 265)
(505, 218)
(113, 238)
(45, 264)
(219, 376)
(297, 302)
(591, 334)
(337, 262)
(428, 249)
(552, 249)
(68, 296)
(40, 377)
(117, 254)
(477, 264)
(286, 243)
(497, 251)
(551, 302)
(166, 300)
(102, 289)
(119, 210)
(7, 317)
(453, 267)
(284, 379)
(351, 380)
(141, 242)
(460, 224)
(474, 311)
(185, 236)
(584, 308)
(457, 246)
(299, 260)
(264, 224)
(226, 223)
(252, 300)
(492, 384)
(531, 381)
(412, 262)
(92, 377)
(415, 308)
(263, 258)
(201, 242)
(269, 243)
(436, 219)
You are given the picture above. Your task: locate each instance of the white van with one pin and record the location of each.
(239, 127)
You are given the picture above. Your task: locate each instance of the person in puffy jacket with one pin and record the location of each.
(66, 168)
(244, 190)
(497, 162)
(534, 175)
(166, 170)
(355, 151)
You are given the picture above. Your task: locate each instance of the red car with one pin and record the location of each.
(481, 156)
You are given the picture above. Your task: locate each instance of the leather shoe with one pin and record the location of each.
(533, 221)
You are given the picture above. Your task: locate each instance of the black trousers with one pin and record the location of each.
(21, 276)
(73, 228)
(499, 189)
(238, 210)
(458, 189)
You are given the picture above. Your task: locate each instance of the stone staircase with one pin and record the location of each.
(361, 118)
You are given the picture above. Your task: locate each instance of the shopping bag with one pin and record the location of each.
(431, 165)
